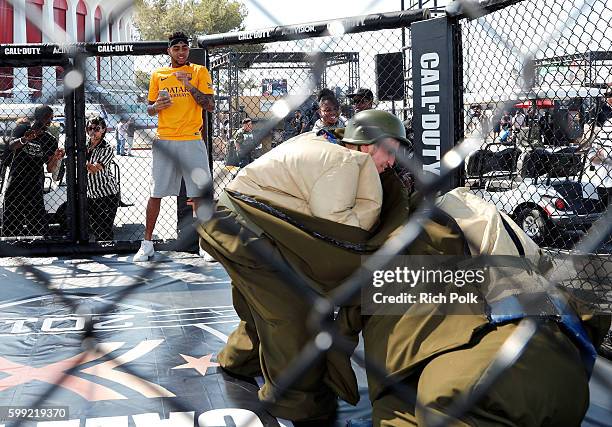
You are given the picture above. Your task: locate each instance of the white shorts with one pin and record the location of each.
(173, 160)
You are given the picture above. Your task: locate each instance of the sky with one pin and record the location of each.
(483, 77)
(297, 12)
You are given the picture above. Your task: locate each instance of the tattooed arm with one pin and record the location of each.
(207, 102)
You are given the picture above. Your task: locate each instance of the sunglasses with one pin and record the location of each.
(94, 128)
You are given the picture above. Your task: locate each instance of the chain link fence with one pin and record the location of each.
(32, 182)
(546, 132)
(537, 167)
(116, 91)
(121, 94)
(538, 96)
(249, 83)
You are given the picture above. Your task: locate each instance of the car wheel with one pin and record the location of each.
(533, 224)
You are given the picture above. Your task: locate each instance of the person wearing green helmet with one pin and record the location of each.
(377, 133)
(314, 188)
(309, 211)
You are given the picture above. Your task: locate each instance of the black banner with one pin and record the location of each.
(434, 118)
(15, 54)
(356, 24)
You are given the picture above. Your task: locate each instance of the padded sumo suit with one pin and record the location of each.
(258, 240)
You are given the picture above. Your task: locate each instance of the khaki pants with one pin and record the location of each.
(546, 386)
(274, 317)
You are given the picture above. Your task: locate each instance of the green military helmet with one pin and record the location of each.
(369, 126)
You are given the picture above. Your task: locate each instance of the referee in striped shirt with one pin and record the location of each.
(102, 188)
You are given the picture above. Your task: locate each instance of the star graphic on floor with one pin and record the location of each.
(200, 364)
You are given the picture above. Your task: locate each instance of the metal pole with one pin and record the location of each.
(436, 117)
(356, 24)
(404, 101)
(70, 148)
(81, 154)
(208, 121)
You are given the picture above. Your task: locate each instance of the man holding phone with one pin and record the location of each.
(177, 95)
(31, 148)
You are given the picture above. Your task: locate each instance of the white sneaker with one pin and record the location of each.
(145, 252)
(206, 256)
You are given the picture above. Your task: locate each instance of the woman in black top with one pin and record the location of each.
(102, 188)
(31, 148)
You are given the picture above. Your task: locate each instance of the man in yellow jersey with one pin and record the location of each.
(177, 94)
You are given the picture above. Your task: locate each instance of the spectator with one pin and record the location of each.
(129, 140)
(363, 99)
(178, 94)
(605, 113)
(506, 121)
(547, 129)
(102, 187)
(245, 143)
(226, 129)
(312, 113)
(532, 117)
(32, 146)
(404, 154)
(496, 127)
(297, 124)
(518, 121)
(600, 155)
(474, 118)
(329, 110)
(121, 136)
(486, 122)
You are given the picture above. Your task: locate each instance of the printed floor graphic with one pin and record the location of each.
(153, 359)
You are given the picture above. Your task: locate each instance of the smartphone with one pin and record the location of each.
(164, 93)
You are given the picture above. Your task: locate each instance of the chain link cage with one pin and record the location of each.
(249, 83)
(539, 99)
(534, 99)
(26, 180)
(116, 91)
(541, 158)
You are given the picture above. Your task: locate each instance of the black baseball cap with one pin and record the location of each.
(247, 120)
(362, 92)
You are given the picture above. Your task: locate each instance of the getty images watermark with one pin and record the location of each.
(425, 285)
(423, 278)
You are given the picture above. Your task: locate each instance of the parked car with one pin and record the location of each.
(541, 189)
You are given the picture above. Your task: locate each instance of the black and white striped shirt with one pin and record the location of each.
(102, 183)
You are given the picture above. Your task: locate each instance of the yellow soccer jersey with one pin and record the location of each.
(183, 120)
